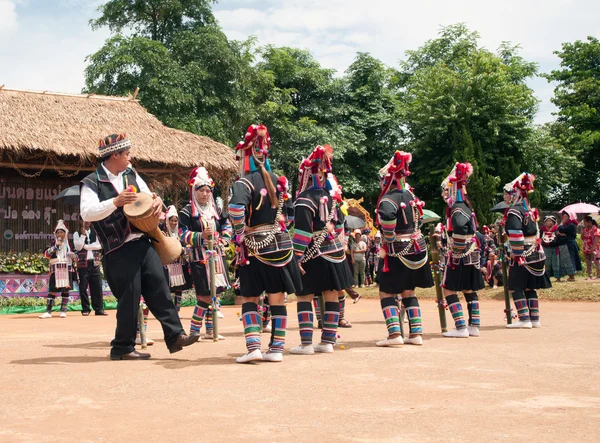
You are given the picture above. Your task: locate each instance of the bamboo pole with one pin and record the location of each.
(439, 295)
(143, 336)
(504, 275)
(213, 288)
(401, 317)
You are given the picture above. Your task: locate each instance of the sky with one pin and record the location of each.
(43, 43)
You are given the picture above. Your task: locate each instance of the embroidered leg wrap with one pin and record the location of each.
(331, 318)
(305, 322)
(411, 304)
(317, 308)
(50, 303)
(267, 312)
(521, 305)
(198, 315)
(532, 302)
(252, 325)
(278, 327)
(64, 302)
(389, 306)
(456, 310)
(473, 308)
(342, 301)
(208, 321)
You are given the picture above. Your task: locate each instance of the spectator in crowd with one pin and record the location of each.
(567, 236)
(492, 272)
(551, 248)
(591, 246)
(359, 250)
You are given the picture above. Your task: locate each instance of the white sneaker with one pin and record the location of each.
(149, 341)
(536, 324)
(473, 331)
(457, 333)
(63, 315)
(520, 325)
(46, 315)
(255, 355)
(326, 348)
(418, 340)
(272, 356)
(303, 350)
(266, 329)
(391, 341)
(210, 337)
(220, 314)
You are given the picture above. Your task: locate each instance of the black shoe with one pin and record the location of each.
(183, 340)
(135, 355)
(100, 313)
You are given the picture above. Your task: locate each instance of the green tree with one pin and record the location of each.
(452, 86)
(577, 96)
(189, 74)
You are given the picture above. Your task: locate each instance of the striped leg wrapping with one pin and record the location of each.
(208, 321)
(414, 320)
(305, 322)
(473, 308)
(64, 303)
(278, 327)
(198, 316)
(252, 322)
(456, 310)
(342, 301)
(317, 308)
(533, 303)
(521, 306)
(49, 303)
(331, 318)
(389, 307)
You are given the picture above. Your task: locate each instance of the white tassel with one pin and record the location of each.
(323, 209)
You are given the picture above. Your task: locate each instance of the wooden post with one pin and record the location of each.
(213, 288)
(439, 295)
(401, 313)
(321, 307)
(504, 274)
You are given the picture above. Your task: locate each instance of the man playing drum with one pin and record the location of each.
(131, 265)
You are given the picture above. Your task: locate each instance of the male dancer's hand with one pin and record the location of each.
(157, 205)
(124, 198)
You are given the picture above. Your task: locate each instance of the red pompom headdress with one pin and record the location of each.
(254, 148)
(317, 165)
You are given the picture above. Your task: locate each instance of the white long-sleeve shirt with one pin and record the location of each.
(92, 209)
(79, 243)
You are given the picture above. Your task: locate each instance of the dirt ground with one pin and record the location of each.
(542, 385)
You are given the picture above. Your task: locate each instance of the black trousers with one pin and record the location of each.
(90, 276)
(131, 271)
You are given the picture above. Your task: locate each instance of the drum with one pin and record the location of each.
(60, 269)
(139, 214)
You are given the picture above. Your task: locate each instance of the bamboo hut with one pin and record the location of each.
(48, 142)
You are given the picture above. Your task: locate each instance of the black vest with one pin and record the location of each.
(82, 255)
(114, 229)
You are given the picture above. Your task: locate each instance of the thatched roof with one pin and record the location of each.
(65, 125)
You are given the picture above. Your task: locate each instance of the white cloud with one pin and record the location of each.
(8, 18)
(335, 30)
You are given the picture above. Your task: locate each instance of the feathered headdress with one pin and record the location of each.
(198, 178)
(64, 251)
(456, 183)
(316, 166)
(60, 226)
(395, 171)
(254, 149)
(520, 188)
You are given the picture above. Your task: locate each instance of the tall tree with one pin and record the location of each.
(452, 86)
(577, 96)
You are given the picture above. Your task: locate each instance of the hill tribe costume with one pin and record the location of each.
(194, 219)
(463, 257)
(264, 255)
(61, 271)
(551, 248)
(88, 267)
(567, 240)
(319, 246)
(403, 263)
(177, 273)
(131, 265)
(527, 259)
